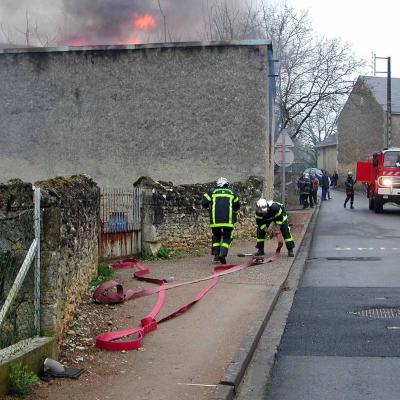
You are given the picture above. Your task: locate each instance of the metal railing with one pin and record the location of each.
(11, 312)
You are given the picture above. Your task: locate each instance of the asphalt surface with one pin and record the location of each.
(342, 337)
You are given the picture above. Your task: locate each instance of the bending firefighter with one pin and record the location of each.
(223, 212)
(267, 212)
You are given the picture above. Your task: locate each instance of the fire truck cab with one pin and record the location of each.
(381, 173)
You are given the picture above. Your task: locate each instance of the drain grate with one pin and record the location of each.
(378, 313)
(353, 258)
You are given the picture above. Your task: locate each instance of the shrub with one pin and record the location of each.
(164, 253)
(21, 379)
(104, 274)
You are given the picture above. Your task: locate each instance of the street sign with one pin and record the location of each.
(278, 156)
(288, 141)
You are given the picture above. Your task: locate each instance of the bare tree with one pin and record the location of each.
(311, 70)
(225, 20)
(28, 36)
(321, 124)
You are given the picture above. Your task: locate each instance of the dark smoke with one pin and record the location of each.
(101, 20)
(95, 22)
(109, 21)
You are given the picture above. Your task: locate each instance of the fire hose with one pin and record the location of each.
(121, 340)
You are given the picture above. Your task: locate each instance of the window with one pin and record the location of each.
(392, 159)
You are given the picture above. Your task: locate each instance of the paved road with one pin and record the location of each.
(342, 337)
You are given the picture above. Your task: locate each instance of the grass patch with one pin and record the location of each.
(104, 274)
(164, 253)
(21, 379)
(200, 253)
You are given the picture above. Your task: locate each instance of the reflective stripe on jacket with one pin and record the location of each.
(276, 213)
(224, 207)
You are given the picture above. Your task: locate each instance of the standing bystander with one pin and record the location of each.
(314, 187)
(349, 185)
(324, 185)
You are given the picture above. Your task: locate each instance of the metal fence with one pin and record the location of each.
(20, 307)
(120, 214)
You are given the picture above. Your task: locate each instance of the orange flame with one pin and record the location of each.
(143, 22)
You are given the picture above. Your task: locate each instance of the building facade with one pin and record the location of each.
(362, 123)
(327, 154)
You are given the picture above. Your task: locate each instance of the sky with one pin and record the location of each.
(369, 26)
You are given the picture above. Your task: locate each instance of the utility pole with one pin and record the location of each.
(388, 73)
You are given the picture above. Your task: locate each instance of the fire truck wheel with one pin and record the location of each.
(371, 204)
(378, 206)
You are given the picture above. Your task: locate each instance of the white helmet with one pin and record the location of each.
(221, 182)
(262, 205)
(306, 175)
(350, 173)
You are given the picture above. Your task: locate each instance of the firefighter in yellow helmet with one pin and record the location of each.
(267, 212)
(224, 206)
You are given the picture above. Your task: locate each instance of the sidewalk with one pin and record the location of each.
(201, 354)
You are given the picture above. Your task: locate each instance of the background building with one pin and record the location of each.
(327, 154)
(362, 122)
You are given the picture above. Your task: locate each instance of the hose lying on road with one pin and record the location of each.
(121, 340)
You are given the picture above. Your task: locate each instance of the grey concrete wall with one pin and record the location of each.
(361, 128)
(182, 114)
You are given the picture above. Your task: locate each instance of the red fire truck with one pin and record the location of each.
(381, 173)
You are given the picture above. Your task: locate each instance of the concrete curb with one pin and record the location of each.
(236, 369)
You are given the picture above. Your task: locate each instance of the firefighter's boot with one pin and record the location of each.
(215, 252)
(351, 206)
(260, 250)
(222, 255)
(290, 253)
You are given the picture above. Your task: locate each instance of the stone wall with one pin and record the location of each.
(184, 112)
(173, 216)
(70, 224)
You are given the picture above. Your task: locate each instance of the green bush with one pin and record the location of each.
(164, 253)
(21, 379)
(199, 253)
(104, 274)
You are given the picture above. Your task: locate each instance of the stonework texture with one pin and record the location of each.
(69, 241)
(361, 128)
(173, 215)
(186, 114)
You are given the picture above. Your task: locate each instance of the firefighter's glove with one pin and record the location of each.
(269, 233)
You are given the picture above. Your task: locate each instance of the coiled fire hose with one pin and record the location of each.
(121, 340)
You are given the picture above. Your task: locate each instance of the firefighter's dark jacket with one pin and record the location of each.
(349, 184)
(224, 207)
(304, 184)
(276, 213)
